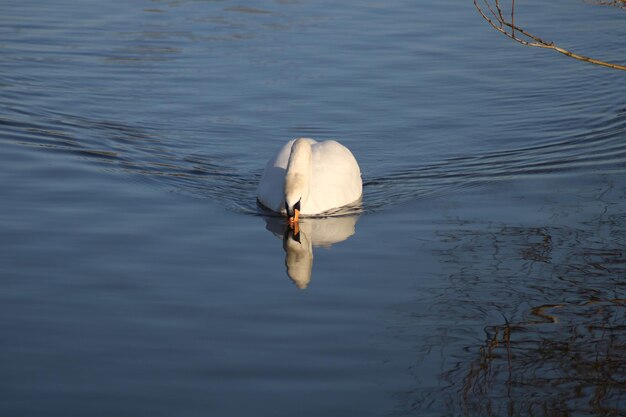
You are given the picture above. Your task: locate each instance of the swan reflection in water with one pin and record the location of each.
(299, 242)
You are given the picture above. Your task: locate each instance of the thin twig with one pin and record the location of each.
(513, 17)
(491, 9)
(499, 23)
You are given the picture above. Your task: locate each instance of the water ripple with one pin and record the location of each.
(144, 155)
(602, 149)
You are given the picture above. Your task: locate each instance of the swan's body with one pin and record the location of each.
(312, 176)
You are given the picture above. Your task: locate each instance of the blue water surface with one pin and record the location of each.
(482, 276)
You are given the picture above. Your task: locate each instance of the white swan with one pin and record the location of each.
(307, 177)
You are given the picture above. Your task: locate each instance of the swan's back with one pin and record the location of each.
(335, 180)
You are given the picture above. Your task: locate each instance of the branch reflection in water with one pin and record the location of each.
(312, 232)
(531, 322)
(575, 349)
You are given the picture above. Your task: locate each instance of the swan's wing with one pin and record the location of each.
(270, 192)
(336, 179)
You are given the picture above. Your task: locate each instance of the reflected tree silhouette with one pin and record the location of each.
(614, 3)
(550, 302)
(529, 369)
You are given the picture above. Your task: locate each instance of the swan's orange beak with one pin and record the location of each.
(296, 213)
(293, 220)
(295, 227)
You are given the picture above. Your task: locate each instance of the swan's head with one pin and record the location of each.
(298, 179)
(293, 211)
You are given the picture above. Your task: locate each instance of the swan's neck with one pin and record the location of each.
(298, 175)
(298, 258)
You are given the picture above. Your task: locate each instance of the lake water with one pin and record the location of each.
(484, 275)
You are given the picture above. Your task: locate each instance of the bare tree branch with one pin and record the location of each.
(508, 28)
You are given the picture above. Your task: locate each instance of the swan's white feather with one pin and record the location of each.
(335, 178)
